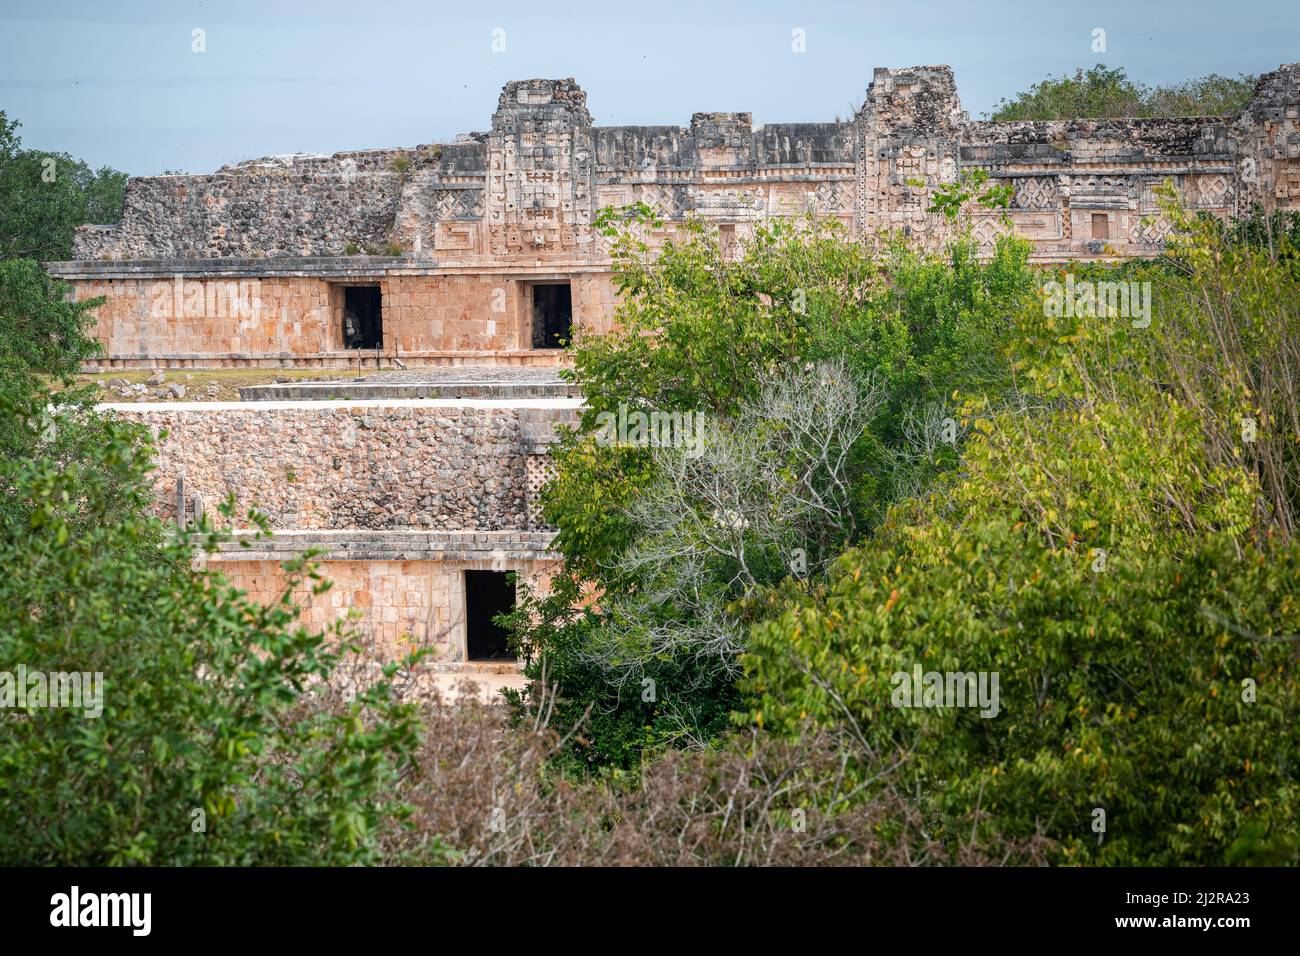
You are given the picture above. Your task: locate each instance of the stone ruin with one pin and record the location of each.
(482, 252)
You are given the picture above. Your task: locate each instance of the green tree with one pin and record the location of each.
(719, 332)
(45, 196)
(1118, 548)
(43, 333)
(1103, 92)
(43, 341)
(210, 747)
(211, 742)
(9, 141)
(1212, 95)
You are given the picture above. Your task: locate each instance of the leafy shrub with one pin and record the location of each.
(44, 197)
(1121, 555)
(205, 748)
(719, 332)
(1108, 92)
(200, 755)
(671, 699)
(1121, 690)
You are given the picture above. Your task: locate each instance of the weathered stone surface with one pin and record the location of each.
(529, 186)
(394, 606)
(246, 266)
(397, 501)
(249, 266)
(211, 320)
(436, 466)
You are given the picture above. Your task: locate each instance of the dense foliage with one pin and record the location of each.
(1109, 531)
(683, 551)
(1103, 92)
(203, 741)
(488, 795)
(1118, 546)
(45, 196)
(911, 463)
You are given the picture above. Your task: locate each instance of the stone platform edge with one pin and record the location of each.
(269, 267)
(325, 391)
(348, 545)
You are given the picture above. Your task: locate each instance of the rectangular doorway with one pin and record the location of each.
(363, 317)
(552, 316)
(487, 594)
(1100, 225)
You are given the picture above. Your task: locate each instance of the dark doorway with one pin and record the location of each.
(487, 594)
(363, 317)
(552, 316)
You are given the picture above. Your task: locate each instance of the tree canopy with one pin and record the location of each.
(45, 196)
(1105, 92)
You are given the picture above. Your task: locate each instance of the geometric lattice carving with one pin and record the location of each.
(538, 168)
(1035, 192)
(865, 170)
(733, 203)
(909, 169)
(1150, 229)
(1150, 202)
(1212, 190)
(656, 197)
(1287, 183)
(671, 201)
(834, 197)
(539, 470)
(987, 229)
(457, 203)
(1097, 191)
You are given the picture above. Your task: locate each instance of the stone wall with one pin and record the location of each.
(527, 190)
(192, 318)
(394, 606)
(474, 219)
(278, 206)
(1081, 188)
(211, 317)
(398, 602)
(428, 465)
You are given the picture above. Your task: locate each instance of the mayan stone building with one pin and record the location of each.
(481, 252)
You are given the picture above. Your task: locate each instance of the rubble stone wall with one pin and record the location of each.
(381, 465)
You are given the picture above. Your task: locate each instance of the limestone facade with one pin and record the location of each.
(482, 252)
(393, 606)
(397, 498)
(459, 237)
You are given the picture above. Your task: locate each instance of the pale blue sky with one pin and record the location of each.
(117, 83)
